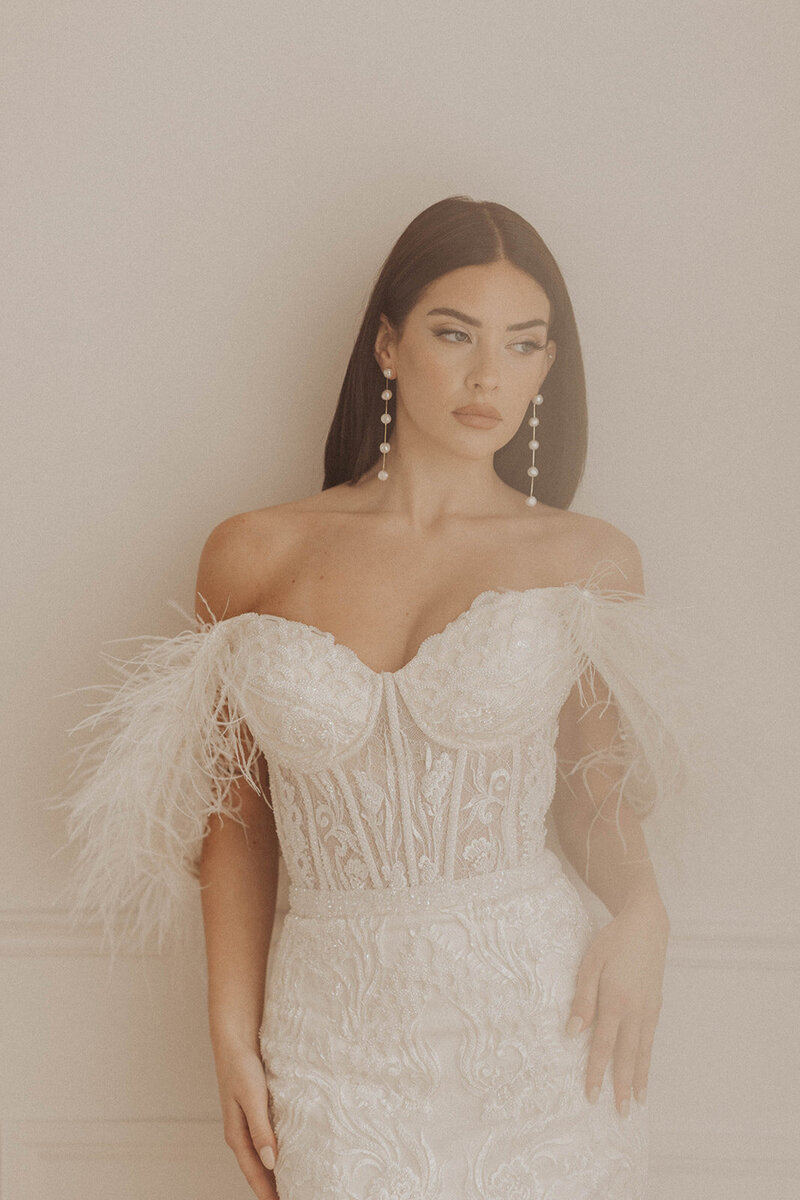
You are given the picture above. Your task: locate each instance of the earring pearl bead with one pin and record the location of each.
(384, 447)
(388, 372)
(383, 474)
(530, 501)
(386, 418)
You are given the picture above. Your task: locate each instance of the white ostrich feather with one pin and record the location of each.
(641, 729)
(167, 743)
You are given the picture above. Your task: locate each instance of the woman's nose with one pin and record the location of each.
(485, 369)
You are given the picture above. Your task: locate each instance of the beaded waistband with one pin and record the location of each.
(430, 897)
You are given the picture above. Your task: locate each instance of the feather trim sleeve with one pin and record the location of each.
(632, 730)
(165, 744)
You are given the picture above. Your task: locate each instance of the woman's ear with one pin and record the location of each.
(383, 341)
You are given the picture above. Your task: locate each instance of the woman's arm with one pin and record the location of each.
(591, 825)
(619, 983)
(602, 837)
(238, 873)
(238, 867)
(239, 881)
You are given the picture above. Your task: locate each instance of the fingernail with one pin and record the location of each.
(268, 1157)
(593, 1094)
(625, 1107)
(574, 1025)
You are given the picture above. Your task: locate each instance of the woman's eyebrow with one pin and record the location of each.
(453, 312)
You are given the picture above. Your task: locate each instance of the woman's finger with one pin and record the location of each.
(238, 1137)
(646, 1037)
(601, 1048)
(625, 1052)
(584, 1002)
(256, 1111)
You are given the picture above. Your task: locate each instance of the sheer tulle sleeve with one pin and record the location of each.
(161, 750)
(632, 731)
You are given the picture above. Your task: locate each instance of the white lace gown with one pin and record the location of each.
(413, 1034)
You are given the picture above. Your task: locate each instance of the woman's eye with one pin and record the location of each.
(530, 347)
(446, 332)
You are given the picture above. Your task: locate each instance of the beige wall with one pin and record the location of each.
(199, 197)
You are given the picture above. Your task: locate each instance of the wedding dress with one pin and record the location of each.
(413, 1035)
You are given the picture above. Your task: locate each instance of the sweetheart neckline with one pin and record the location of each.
(488, 593)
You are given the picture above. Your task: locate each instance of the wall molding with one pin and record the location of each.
(728, 945)
(88, 1155)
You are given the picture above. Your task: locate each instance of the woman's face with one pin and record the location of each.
(471, 357)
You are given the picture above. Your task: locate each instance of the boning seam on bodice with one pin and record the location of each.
(340, 776)
(398, 751)
(510, 818)
(454, 814)
(320, 858)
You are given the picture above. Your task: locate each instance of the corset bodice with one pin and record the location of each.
(441, 770)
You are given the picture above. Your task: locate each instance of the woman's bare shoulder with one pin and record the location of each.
(247, 552)
(230, 570)
(597, 543)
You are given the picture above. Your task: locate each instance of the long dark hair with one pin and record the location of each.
(462, 232)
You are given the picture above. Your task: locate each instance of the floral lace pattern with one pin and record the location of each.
(424, 1055)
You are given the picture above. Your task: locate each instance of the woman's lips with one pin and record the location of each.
(479, 420)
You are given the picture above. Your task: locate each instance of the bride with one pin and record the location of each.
(390, 682)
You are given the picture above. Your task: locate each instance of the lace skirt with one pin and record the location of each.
(414, 1047)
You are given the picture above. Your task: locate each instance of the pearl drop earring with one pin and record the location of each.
(533, 446)
(385, 418)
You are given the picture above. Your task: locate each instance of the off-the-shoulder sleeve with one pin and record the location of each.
(632, 730)
(161, 749)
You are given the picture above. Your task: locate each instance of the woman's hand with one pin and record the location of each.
(619, 984)
(244, 1095)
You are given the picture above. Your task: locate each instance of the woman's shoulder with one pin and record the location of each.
(588, 544)
(607, 548)
(231, 566)
(246, 554)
